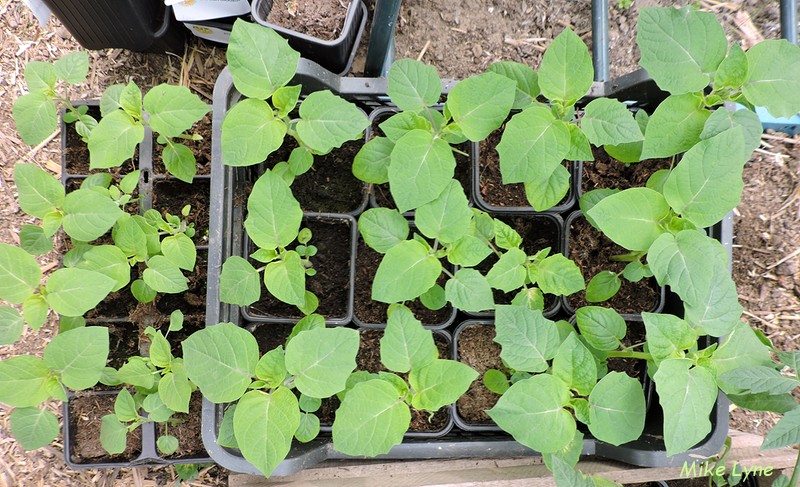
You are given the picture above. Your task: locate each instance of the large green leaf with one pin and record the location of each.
(327, 121)
(509, 272)
(35, 117)
(687, 395)
(740, 348)
(617, 409)
(40, 76)
(11, 325)
(480, 104)
(609, 122)
(38, 191)
(545, 193)
(179, 161)
(532, 145)
(675, 126)
(221, 360)
(239, 282)
(322, 359)
(527, 338)
(73, 292)
(88, 215)
(524, 76)
(405, 343)
(19, 273)
(163, 276)
(113, 435)
(180, 250)
(273, 213)
(260, 60)
(680, 48)
(382, 228)
(136, 372)
(406, 271)
(73, 67)
(250, 133)
(448, 217)
(734, 70)
(110, 261)
(413, 85)
(723, 120)
(566, 72)
(439, 383)
(371, 419)
(285, 279)
(667, 336)
(421, 167)
(785, 433)
(264, 425)
(114, 140)
(603, 328)
(24, 381)
(469, 290)
(175, 390)
(33, 428)
(33, 240)
(558, 275)
(755, 379)
(532, 410)
(371, 164)
(575, 365)
(79, 355)
(173, 109)
(774, 67)
(631, 218)
(468, 251)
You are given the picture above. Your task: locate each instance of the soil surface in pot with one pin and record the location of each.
(492, 189)
(323, 19)
(170, 196)
(123, 343)
(331, 284)
(86, 414)
(329, 186)
(200, 148)
(270, 335)
(592, 252)
(117, 305)
(76, 153)
(633, 367)
(607, 172)
(187, 429)
(477, 349)
(373, 312)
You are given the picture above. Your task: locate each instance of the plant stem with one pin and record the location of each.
(448, 273)
(624, 354)
(795, 472)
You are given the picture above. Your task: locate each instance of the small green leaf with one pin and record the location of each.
(273, 214)
(179, 161)
(39, 193)
(72, 68)
(33, 240)
(239, 282)
(33, 428)
(327, 121)
(603, 328)
(448, 217)
(667, 336)
(88, 215)
(11, 325)
(566, 71)
(785, 433)
(524, 76)
(250, 133)
(439, 383)
(163, 276)
(309, 404)
(527, 338)
(114, 140)
(468, 251)
(137, 373)
(509, 272)
(617, 409)
(260, 60)
(271, 367)
(73, 292)
(322, 359)
(382, 228)
(579, 149)
(226, 437)
(480, 104)
(421, 167)
(434, 298)
(167, 444)
(723, 120)
(175, 390)
(575, 365)
(180, 250)
(125, 408)
(79, 355)
(406, 271)
(413, 85)
(603, 286)
(609, 122)
(371, 164)
(505, 237)
(405, 344)
(286, 279)
(545, 193)
(560, 276)
(35, 310)
(142, 292)
(113, 434)
(469, 290)
(308, 429)
(631, 218)
(532, 145)
(733, 71)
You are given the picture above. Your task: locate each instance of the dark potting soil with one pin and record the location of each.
(607, 172)
(477, 349)
(200, 148)
(192, 303)
(187, 429)
(331, 284)
(270, 335)
(329, 186)
(323, 19)
(592, 252)
(633, 367)
(492, 189)
(117, 305)
(76, 152)
(123, 343)
(373, 312)
(170, 196)
(86, 415)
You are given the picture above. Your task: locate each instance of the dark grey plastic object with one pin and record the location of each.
(336, 55)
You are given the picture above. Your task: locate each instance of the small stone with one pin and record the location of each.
(477, 50)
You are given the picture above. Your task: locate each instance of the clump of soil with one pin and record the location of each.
(607, 172)
(86, 415)
(477, 349)
(76, 152)
(170, 196)
(592, 252)
(200, 148)
(331, 284)
(372, 312)
(123, 343)
(323, 19)
(187, 429)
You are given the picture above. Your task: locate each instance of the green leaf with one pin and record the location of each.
(680, 48)
(271, 367)
(707, 183)
(631, 218)
(723, 120)
(480, 104)
(468, 251)
(35, 310)
(401, 123)
(405, 344)
(532, 411)
(88, 215)
(771, 84)
(687, 395)
(286, 279)
(130, 237)
(469, 290)
(505, 236)
(125, 407)
(19, 273)
(603, 286)
(310, 322)
(421, 167)
(667, 336)
(33, 240)
(575, 365)
(322, 359)
(113, 434)
(309, 404)
(40, 77)
(439, 383)
(33, 428)
(51, 223)
(175, 390)
(617, 409)
(35, 117)
(532, 145)
(110, 261)
(163, 276)
(250, 133)
(785, 433)
(531, 298)
(11, 325)
(496, 381)
(221, 360)
(565, 475)
(308, 429)
(527, 338)
(566, 71)
(413, 85)
(173, 109)
(79, 355)
(434, 298)
(734, 70)
(23, 381)
(285, 99)
(448, 217)
(180, 250)
(371, 419)
(406, 271)
(260, 60)
(755, 379)
(780, 404)
(273, 214)
(327, 121)
(371, 164)
(508, 273)
(603, 328)
(167, 444)
(142, 292)
(179, 161)
(545, 193)
(73, 67)
(526, 79)
(137, 373)
(579, 149)
(382, 228)
(741, 348)
(127, 97)
(73, 292)
(226, 437)
(114, 140)
(675, 126)
(609, 122)
(239, 282)
(560, 276)
(39, 193)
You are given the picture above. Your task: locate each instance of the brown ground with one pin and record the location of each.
(459, 38)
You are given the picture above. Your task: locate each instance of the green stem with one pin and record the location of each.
(459, 151)
(624, 354)
(795, 472)
(448, 273)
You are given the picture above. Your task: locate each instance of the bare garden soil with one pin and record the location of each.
(608, 173)
(323, 19)
(86, 413)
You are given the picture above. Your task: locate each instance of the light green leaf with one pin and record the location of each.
(603, 328)
(579, 148)
(264, 425)
(532, 145)
(371, 164)
(421, 167)
(405, 344)
(113, 435)
(260, 60)
(327, 121)
(175, 390)
(406, 271)
(509, 272)
(723, 120)
(226, 436)
(19, 273)
(114, 140)
(88, 215)
(173, 109)
(469, 290)
(434, 298)
(530, 298)
(496, 381)
(603, 286)
(33, 428)
(136, 373)
(79, 355)
(526, 79)
(675, 126)
(73, 292)
(382, 228)
(575, 365)
(35, 117)
(239, 282)
(448, 217)
(142, 292)
(468, 251)
(40, 76)
(51, 223)
(505, 236)
(667, 336)
(250, 133)
(11, 325)
(285, 99)
(322, 359)
(609, 122)
(439, 383)
(167, 444)
(772, 84)
(163, 276)
(617, 409)
(35, 310)
(127, 97)
(180, 250)
(271, 367)
(23, 381)
(734, 70)
(130, 237)
(566, 72)
(179, 161)
(560, 276)
(33, 240)
(785, 433)
(39, 193)
(741, 348)
(110, 261)
(273, 214)
(545, 193)
(532, 411)
(286, 279)
(73, 67)
(125, 407)
(480, 104)
(310, 322)
(413, 85)
(308, 429)
(631, 218)
(527, 338)
(401, 123)
(755, 379)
